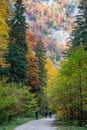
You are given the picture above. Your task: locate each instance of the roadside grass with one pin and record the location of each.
(17, 121)
(71, 128)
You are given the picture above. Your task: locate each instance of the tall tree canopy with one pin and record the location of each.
(70, 80)
(17, 49)
(4, 14)
(79, 35)
(33, 73)
(40, 54)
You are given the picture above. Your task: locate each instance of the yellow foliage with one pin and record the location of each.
(4, 13)
(51, 74)
(51, 70)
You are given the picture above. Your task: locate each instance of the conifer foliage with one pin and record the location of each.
(40, 54)
(79, 35)
(17, 49)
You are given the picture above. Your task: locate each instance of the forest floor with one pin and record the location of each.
(40, 124)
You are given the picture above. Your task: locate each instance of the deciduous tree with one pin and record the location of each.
(33, 73)
(4, 14)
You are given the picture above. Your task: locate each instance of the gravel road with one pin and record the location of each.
(40, 124)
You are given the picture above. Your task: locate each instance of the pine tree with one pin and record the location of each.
(40, 54)
(15, 56)
(79, 35)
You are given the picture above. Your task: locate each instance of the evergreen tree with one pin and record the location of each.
(40, 54)
(79, 35)
(16, 52)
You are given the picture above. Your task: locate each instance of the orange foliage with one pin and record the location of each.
(33, 70)
(60, 18)
(31, 40)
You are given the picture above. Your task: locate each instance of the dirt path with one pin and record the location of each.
(41, 124)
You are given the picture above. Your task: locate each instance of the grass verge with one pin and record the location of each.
(71, 128)
(14, 123)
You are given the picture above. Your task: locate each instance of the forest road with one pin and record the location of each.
(40, 124)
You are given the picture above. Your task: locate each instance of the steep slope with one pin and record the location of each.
(52, 22)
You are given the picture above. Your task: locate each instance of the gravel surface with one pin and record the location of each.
(40, 124)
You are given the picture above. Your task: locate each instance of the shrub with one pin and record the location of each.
(15, 101)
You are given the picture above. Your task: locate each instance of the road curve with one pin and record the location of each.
(40, 124)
